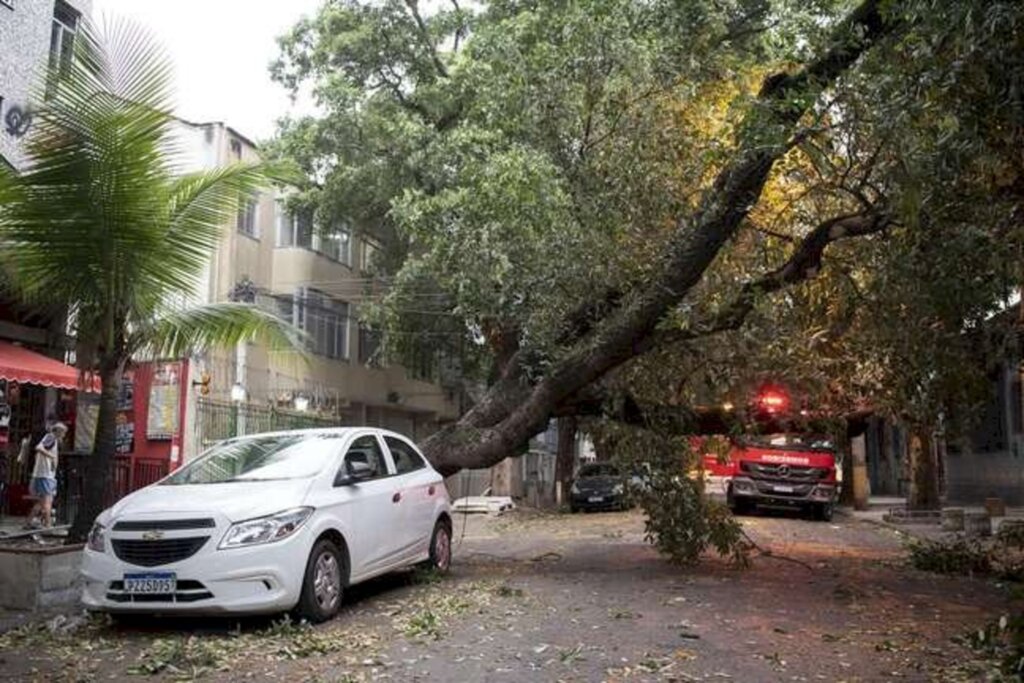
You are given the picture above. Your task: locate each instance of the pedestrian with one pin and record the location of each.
(3, 479)
(44, 475)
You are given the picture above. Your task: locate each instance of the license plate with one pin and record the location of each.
(784, 489)
(595, 499)
(152, 583)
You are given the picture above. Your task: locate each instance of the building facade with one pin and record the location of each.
(317, 279)
(35, 34)
(35, 386)
(989, 462)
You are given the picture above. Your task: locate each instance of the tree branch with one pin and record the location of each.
(428, 43)
(804, 263)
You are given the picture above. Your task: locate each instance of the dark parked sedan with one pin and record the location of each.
(599, 486)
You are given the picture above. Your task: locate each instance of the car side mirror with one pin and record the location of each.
(354, 472)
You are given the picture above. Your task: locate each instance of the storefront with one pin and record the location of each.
(35, 390)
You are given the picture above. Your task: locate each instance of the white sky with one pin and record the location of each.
(221, 50)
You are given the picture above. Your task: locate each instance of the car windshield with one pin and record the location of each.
(789, 440)
(599, 470)
(260, 458)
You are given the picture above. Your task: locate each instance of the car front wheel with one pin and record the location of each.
(323, 583)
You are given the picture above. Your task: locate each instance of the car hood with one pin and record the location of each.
(234, 500)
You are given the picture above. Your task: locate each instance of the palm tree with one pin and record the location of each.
(103, 224)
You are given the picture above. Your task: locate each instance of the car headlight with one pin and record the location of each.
(267, 529)
(96, 535)
(575, 488)
(619, 488)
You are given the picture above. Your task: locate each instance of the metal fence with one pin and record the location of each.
(216, 421)
(126, 475)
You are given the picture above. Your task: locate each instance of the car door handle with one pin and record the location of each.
(430, 491)
(397, 497)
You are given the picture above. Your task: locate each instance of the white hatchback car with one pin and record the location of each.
(269, 523)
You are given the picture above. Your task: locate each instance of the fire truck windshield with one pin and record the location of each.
(789, 440)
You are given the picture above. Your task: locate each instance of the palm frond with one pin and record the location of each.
(102, 219)
(180, 333)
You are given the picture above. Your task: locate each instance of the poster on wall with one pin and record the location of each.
(124, 434)
(126, 393)
(164, 401)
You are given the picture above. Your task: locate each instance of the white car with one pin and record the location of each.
(269, 523)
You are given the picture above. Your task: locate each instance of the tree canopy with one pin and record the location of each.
(655, 197)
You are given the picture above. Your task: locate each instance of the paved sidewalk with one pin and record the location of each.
(879, 506)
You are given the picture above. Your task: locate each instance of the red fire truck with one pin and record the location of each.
(772, 464)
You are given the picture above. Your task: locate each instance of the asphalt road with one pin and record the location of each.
(577, 598)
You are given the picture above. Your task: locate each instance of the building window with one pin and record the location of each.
(370, 346)
(295, 229)
(422, 364)
(324, 319)
(62, 36)
(335, 245)
(246, 219)
(367, 255)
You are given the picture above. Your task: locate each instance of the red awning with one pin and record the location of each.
(18, 364)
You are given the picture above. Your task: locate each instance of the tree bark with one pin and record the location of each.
(843, 448)
(924, 472)
(565, 459)
(97, 467)
(486, 436)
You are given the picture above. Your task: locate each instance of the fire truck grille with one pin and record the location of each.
(792, 491)
(784, 472)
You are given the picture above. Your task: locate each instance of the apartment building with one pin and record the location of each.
(316, 278)
(34, 34)
(34, 383)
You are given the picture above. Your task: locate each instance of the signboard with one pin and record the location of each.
(164, 402)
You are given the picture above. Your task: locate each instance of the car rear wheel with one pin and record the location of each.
(440, 548)
(323, 583)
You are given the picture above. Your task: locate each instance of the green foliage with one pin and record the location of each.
(521, 161)
(956, 556)
(1003, 558)
(681, 522)
(1000, 647)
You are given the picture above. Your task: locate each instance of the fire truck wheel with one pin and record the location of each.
(823, 512)
(738, 506)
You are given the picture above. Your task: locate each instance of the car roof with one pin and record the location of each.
(335, 431)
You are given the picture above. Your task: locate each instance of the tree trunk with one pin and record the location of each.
(565, 460)
(97, 467)
(843, 450)
(924, 472)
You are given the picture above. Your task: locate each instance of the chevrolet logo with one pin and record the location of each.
(153, 535)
